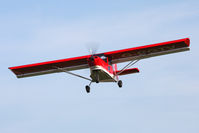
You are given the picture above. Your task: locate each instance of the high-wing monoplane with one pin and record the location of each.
(103, 66)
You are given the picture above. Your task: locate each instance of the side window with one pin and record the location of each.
(104, 58)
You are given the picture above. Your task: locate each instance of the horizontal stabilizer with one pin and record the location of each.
(128, 71)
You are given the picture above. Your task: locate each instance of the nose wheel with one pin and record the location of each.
(119, 83)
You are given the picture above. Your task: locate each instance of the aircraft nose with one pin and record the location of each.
(92, 58)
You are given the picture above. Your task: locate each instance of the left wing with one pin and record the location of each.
(50, 66)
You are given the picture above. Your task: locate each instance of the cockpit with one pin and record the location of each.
(104, 58)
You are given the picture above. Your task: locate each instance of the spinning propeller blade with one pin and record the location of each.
(92, 48)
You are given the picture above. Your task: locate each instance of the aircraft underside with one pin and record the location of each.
(99, 74)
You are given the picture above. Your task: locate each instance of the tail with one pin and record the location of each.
(127, 71)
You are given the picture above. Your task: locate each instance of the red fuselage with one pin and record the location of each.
(103, 68)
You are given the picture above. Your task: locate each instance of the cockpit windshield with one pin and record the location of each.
(103, 57)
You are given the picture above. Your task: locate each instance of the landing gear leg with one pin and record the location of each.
(88, 87)
(119, 83)
(97, 77)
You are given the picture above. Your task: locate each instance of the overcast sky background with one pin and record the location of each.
(163, 97)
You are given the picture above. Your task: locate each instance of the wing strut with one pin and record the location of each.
(61, 69)
(128, 65)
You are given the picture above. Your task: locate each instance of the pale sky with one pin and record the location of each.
(163, 97)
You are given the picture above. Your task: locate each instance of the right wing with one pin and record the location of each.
(147, 51)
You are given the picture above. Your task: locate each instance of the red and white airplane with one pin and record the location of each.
(103, 66)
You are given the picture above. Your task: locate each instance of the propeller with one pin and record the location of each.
(92, 48)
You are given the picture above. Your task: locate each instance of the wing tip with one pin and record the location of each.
(187, 41)
(137, 70)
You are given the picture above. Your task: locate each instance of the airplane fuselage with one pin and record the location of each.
(101, 70)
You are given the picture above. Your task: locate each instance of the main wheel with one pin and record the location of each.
(119, 83)
(88, 89)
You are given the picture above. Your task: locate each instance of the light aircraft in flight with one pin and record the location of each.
(103, 66)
